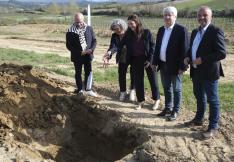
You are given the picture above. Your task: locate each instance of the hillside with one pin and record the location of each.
(186, 8)
(214, 4)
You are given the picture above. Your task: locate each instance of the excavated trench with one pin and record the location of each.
(59, 126)
(99, 134)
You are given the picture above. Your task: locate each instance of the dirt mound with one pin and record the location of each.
(41, 121)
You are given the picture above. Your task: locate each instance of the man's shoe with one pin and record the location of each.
(81, 92)
(156, 105)
(194, 122)
(139, 106)
(173, 116)
(210, 133)
(91, 93)
(78, 92)
(165, 112)
(132, 95)
(122, 96)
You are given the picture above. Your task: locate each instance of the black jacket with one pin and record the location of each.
(211, 50)
(73, 44)
(177, 48)
(114, 45)
(148, 45)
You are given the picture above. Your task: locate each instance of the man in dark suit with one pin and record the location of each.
(81, 42)
(171, 48)
(207, 48)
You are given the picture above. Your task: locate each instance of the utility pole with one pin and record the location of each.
(89, 14)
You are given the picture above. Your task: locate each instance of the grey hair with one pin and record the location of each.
(170, 9)
(118, 22)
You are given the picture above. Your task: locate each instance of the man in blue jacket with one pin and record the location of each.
(81, 42)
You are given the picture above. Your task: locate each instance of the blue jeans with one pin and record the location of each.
(207, 91)
(172, 86)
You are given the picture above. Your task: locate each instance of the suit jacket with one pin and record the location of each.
(149, 45)
(73, 44)
(211, 50)
(177, 48)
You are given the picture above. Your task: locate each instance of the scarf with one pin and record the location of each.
(80, 30)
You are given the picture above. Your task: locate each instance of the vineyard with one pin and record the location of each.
(102, 23)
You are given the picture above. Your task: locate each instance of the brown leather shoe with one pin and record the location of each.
(210, 133)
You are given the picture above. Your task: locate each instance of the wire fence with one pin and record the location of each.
(101, 24)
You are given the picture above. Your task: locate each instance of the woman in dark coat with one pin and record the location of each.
(119, 26)
(140, 48)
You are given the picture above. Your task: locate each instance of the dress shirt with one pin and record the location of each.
(197, 41)
(165, 40)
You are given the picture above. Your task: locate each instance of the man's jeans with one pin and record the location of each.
(172, 85)
(207, 91)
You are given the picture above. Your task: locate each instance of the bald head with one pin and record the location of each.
(79, 18)
(204, 15)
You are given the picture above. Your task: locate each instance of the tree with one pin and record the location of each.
(72, 7)
(64, 9)
(54, 8)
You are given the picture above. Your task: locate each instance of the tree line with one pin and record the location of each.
(156, 11)
(63, 9)
(124, 10)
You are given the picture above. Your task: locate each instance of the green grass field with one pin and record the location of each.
(63, 66)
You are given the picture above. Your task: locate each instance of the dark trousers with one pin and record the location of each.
(207, 91)
(138, 69)
(122, 70)
(88, 73)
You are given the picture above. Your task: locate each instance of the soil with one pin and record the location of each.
(41, 120)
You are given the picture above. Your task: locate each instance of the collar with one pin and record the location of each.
(204, 28)
(170, 27)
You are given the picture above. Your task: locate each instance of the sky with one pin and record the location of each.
(68, 0)
(51, 0)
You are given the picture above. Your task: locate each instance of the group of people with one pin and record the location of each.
(171, 55)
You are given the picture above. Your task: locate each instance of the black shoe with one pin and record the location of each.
(76, 91)
(165, 112)
(173, 116)
(194, 122)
